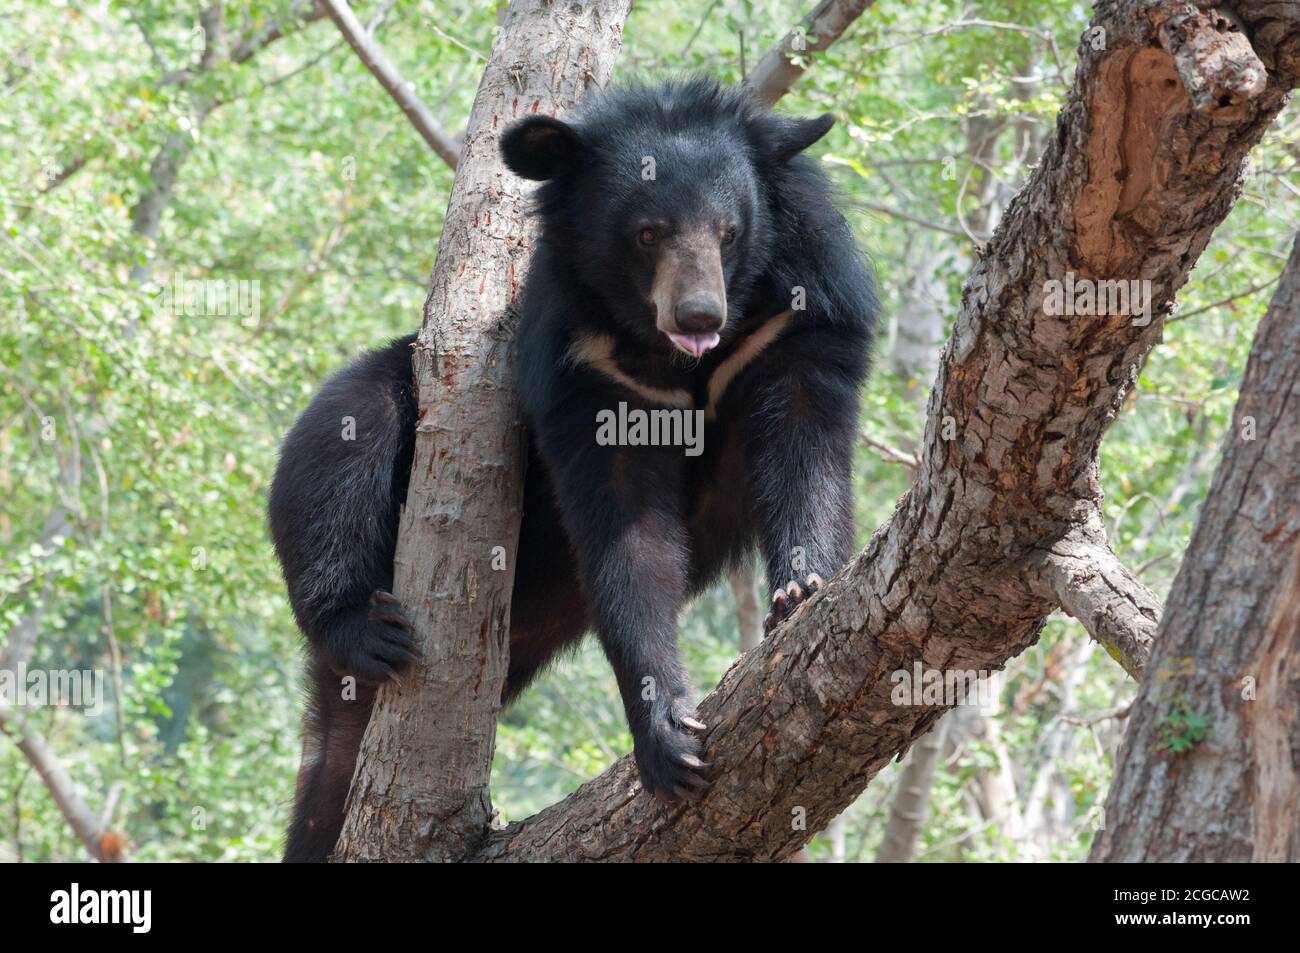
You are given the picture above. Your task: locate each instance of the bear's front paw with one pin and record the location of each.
(668, 754)
(381, 647)
(789, 598)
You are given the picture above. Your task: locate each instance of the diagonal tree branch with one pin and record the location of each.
(88, 827)
(776, 72)
(381, 67)
(891, 454)
(248, 46)
(1144, 165)
(1086, 578)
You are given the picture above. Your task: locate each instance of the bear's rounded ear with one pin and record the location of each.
(786, 137)
(540, 147)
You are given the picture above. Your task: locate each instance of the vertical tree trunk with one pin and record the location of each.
(420, 791)
(1210, 767)
(995, 788)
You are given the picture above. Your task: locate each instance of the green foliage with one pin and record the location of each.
(1181, 728)
(137, 440)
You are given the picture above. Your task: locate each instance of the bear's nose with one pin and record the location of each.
(698, 314)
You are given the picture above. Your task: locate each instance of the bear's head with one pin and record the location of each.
(660, 201)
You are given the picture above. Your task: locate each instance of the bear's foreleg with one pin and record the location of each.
(622, 507)
(800, 435)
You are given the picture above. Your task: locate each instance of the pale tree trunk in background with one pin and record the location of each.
(911, 804)
(1046, 798)
(749, 617)
(979, 180)
(164, 170)
(836, 834)
(1144, 164)
(996, 788)
(918, 326)
(1226, 651)
(420, 791)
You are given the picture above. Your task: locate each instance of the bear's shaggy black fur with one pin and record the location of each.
(690, 259)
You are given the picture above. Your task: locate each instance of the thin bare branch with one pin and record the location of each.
(916, 220)
(1252, 290)
(892, 454)
(382, 68)
(83, 821)
(305, 11)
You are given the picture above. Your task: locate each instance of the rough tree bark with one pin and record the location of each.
(1227, 646)
(420, 791)
(1145, 162)
(919, 329)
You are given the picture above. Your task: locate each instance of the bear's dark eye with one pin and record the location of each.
(729, 235)
(646, 237)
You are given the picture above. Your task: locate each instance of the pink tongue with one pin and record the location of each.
(695, 344)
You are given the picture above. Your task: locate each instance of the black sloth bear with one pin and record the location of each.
(690, 262)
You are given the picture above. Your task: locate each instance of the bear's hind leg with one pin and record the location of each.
(333, 727)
